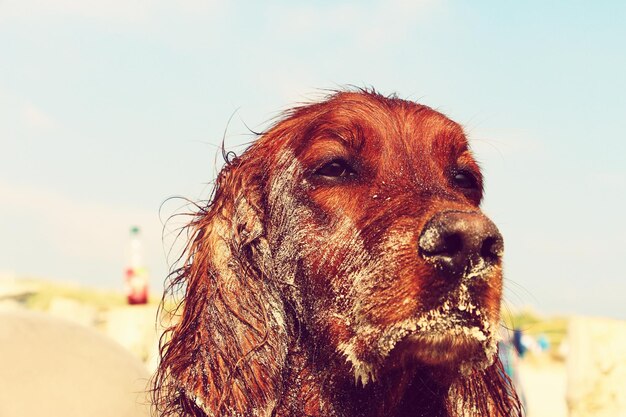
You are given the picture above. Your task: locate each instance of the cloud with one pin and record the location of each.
(80, 228)
(35, 117)
(125, 11)
(116, 9)
(21, 117)
(506, 143)
(369, 25)
(611, 179)
(41, 226)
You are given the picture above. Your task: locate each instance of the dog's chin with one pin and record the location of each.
(461, 344)
(445, 350)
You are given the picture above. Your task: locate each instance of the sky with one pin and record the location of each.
(108, 109)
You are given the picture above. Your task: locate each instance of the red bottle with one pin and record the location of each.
(136, 274)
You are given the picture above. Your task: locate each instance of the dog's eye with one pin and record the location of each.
(465, 180)
(337, 168)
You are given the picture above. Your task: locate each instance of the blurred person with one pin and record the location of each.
(518, 342)
(508, 353)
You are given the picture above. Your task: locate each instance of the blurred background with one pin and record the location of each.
(107, 109)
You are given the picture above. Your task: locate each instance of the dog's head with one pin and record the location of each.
(374, 219)
(355, 221)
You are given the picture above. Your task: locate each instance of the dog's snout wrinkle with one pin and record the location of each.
(461, 243)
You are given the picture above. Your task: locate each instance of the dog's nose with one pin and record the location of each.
(459, 242)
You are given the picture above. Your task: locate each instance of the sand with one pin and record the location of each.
(53, 368)
(544, 383)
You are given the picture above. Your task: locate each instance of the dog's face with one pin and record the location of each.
(374, 222)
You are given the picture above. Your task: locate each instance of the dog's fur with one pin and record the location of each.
(305, 293)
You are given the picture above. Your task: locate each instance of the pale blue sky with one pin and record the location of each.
(108, 108)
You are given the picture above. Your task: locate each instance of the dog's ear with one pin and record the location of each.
(226, 353)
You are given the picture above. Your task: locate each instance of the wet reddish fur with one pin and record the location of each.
(263, 345)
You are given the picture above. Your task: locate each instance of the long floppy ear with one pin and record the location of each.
(226, 354)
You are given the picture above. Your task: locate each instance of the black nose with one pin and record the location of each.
(459, 242)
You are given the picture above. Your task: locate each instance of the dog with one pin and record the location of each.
(342, 267)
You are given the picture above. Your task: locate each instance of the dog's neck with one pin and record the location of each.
(313, 387)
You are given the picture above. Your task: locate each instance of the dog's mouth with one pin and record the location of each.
(455, 334)
(459, 346)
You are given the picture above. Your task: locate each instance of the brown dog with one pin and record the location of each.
(342, 268)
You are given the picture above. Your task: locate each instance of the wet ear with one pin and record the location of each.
(226, 354)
